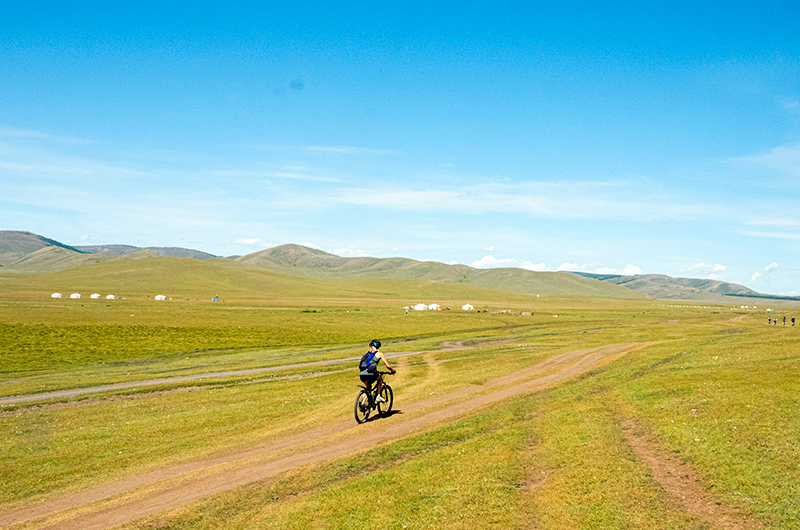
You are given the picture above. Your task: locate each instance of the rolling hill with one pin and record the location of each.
(297, 260)
(16, 245)
(668, 288)
(27, 253)
(165, 252)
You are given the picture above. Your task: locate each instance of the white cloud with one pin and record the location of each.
(452, 262)
(538, 267)
(629, 270)
(252, 241)
(489, 249)
(716, 267)
(766, 270)
(490, 262)
(84, 238)
(713, 277)
(350, 252)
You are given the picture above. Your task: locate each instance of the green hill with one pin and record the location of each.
(301, 261)
(51, 259)
(668, 288)
(24, 252)
(16, 245)
(166, 252)
(180, 278)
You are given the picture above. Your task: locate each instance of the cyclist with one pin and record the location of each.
(369, 367)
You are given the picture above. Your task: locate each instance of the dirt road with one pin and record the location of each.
(138, 496)
(75, 392)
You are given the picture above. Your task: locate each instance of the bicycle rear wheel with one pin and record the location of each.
(362, 408)
(388, 395)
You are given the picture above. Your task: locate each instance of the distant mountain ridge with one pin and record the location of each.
(15, 245)
(297, 260)
(164, 252)
(25, 252)
(666, 287)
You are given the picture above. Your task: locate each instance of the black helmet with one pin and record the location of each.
(376, 343)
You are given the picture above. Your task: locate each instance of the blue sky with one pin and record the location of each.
(594, 136)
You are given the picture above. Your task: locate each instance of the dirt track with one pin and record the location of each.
(138, 496)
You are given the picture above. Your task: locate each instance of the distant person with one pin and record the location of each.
(369, 368)
(793, 321)
(769, 320)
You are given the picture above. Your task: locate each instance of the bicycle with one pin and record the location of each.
(366, 401)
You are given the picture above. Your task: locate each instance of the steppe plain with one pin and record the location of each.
(589, 413)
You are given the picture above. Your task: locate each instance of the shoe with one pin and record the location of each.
(380, 399)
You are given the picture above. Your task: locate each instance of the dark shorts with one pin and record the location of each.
(369, 378)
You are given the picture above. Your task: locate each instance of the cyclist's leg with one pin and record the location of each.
(367, 383)
(378, 389)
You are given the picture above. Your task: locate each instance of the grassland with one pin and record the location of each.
(718, 389)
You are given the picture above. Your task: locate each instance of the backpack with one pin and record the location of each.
(369, 363)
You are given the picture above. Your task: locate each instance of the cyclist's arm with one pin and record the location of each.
(383, 357)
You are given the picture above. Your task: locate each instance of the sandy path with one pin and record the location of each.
(138, 496)
(75, 392)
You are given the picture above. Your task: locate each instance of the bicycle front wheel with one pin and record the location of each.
(362, 408)
(388, 395)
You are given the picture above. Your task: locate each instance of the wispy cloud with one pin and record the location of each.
(628, 270)
(537, 267)
(586, 200)
(716, 267)
(271, 174)
(252, 242)
(772, 235)
(333, 149)
(778, 222)
(490, 262)
(37, 135)
(764, 272)
(784, 159)
(350, 252)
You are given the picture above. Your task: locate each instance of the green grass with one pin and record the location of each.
(721, 394)
(568, 443)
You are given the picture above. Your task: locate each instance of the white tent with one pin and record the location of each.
(467, 307)
(95, 296)
(434, 307)
(75, 295)
(420, 307)
(55, 295)
(110, 297)
(160, 297)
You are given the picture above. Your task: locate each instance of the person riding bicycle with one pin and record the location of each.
(369, 368)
